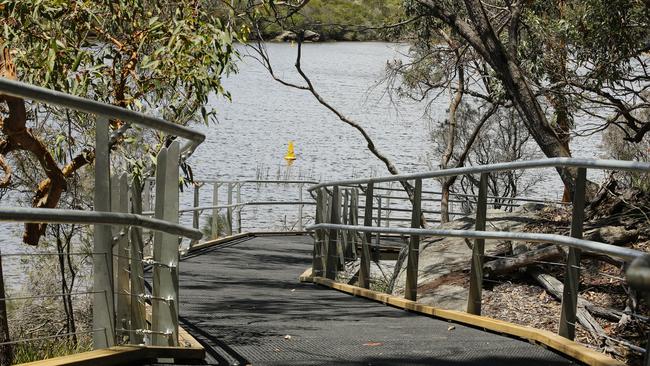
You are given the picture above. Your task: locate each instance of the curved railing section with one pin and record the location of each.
(222, 208)
(118, 289)
(338, 230)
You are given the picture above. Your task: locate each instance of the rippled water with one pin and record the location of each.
(254, 129)
(251, 137)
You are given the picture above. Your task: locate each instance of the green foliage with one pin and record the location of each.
(222, 226)
(131, 53)
(345, 19)
(165, 58)
(605, 34)
(331, 19)
(49, 348)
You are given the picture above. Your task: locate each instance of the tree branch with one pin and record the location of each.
(369, 142)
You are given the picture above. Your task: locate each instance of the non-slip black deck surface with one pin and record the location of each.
(245, 302)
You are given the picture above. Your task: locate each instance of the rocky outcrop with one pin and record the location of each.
(289, 36)
(444, 262)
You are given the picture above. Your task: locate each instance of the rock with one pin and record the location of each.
(530, 207)
(617, 235)
(444, 262)
(285, 36)
(311, 36)
(288, 36)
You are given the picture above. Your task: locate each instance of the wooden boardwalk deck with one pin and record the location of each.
(243, 301)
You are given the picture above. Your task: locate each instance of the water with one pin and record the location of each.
(251, 137)
(253, 130)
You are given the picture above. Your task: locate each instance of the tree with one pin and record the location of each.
(538, 51)
(163, 58)
(441, 64)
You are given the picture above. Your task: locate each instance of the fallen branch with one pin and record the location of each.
(556, 288)
(505, 265)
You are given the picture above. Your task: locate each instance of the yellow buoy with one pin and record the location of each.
(290, 154)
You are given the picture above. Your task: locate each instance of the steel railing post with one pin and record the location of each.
(138, 315)
(317, 254)
(120, 203)
(229, 210)
(103, 306)
(411, 290)
(239, 208)
(147, 205)
(388, 212)
(327, 216)
(195, 204)
(476, 270)
(332, 252)
(376, 252)
(345, 220)
(364, 266)
(572, 273)
(354, 220)
(164, 316)
(146, 195)
(300, 207)
(215, 211)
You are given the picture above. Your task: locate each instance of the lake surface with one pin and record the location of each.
(250, 139)
(254, 129)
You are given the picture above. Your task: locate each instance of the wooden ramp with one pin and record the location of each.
(244, 302)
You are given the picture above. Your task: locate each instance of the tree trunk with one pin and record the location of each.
(401, 257)
(6, 351)
(444, 200)
(65, 288)
(451, 132)
(482, 37)
(557, 58)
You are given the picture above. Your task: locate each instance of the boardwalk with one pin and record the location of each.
(244, 301)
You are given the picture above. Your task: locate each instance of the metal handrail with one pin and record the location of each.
(47, 215)
(169, 158)
(329, 227)
(474, 196)
(588, 245)
(49, 96)
(243, 204)
(257, 181)
(499, 167)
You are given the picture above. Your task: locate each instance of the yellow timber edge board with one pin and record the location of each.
(544, 337)
(306, 276)
(121, 355)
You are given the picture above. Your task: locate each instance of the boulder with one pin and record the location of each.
(289, 36)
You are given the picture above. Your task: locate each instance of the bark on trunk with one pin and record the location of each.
(506, 265)
(451, 132)
(482, 37)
